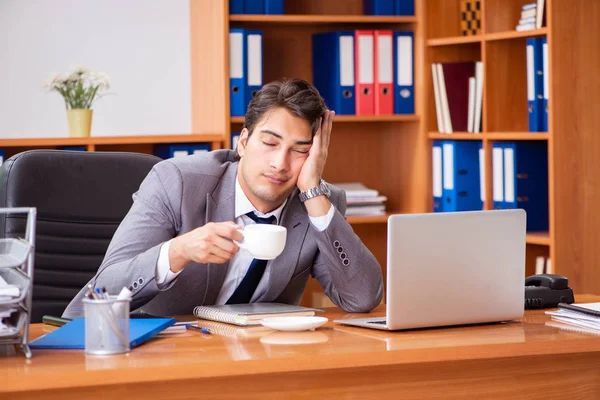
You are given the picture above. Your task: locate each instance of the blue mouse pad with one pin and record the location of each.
(72, 335)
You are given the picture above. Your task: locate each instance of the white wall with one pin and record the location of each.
(143, 45)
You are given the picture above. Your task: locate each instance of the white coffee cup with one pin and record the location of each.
(263, 241)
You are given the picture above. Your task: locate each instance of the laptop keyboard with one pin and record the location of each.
(380, 321)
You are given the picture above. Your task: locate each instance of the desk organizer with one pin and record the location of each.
(16, 268)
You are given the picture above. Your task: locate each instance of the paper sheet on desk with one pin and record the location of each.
(576, 319)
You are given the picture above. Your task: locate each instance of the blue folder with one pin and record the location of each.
(546, 84)
(253, 64)
(274, 7)
(237, 72)
(405, 7)
(404, 74)
(437, 169)
(378, 7)
(72, 334)
(236, 6)
(254, 7)
(535, 84)
(526, 181)
(461, 176)
(333, 70)
(166, 151)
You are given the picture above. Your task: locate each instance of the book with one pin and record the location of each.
(72, 334)
(584, 315)
(234, 331)
(250, 314)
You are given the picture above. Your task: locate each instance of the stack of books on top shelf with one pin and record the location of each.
(362, 200)
(532, 16)
(458, 90)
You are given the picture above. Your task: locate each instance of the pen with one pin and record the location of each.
(199, 329)
(56, 321)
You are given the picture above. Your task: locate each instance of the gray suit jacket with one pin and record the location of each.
(182, 194)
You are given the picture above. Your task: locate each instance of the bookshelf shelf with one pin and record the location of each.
(323, 19)
(454, 136)
(454, 40)
(516, 135)
(539, 238)
(515, 35)
(357, 118)
(488, 37)
(110, 140)
(368, 219)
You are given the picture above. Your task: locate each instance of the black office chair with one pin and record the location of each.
(81, 197)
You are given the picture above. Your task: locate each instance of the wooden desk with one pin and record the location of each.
(526, 359)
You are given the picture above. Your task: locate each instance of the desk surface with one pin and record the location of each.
(309, 362)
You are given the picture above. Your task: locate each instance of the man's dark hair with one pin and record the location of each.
(295, 95)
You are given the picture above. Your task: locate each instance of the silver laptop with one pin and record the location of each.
(453, 269)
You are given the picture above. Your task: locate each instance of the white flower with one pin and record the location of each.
(101, 80)
(55, 81)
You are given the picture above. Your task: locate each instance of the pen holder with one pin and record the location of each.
(106, 325)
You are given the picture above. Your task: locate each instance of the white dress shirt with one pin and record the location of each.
(240, 262)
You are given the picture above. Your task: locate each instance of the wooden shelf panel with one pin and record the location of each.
(455, 136)
(358, 118)
(539, 238)
(516, 135)
(453, 40)
(109, 140)
(488, 37)
(322, 19)
(515, 35)
(368, 219)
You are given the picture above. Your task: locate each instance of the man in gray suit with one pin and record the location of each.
(175, 247)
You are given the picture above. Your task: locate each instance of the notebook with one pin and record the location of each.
(583, 315)
(452, 268)
(234, 331)
(250, 314)
(72, 334)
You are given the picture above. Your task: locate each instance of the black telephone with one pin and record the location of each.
(546, 291)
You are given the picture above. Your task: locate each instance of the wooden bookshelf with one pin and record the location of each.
(539, 238)
(322, 19)
(142, 144)
(387, 153)
(358, 118)
(573, 144)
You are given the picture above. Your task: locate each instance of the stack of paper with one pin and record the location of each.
(362, 200)
(585, 315)
(8, 291)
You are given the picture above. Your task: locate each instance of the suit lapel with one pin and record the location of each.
(220, 207)
(295, 219)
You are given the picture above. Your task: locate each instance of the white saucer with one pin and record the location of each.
(293, 324)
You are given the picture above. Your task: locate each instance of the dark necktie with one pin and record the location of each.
(243, 293)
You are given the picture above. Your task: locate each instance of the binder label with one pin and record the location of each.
(346, 60)
(482, 174)
(236, 62)
(498, 181)
(546, 82)
(530, 74)
(509, 175)
(254, 60)
(404, 60)
(448, 157)
(384, 63)
(437, 171)
(365, 58)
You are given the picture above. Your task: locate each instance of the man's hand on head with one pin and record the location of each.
(313, 167)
